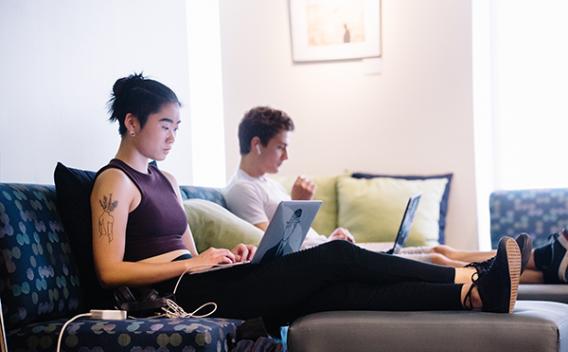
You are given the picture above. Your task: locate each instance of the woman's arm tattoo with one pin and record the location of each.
(106, 220)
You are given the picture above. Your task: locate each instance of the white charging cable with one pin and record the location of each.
(173, 310)
(65, 325)
(179, 280)
(95, 314)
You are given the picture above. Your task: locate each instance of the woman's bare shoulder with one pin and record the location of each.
(112, 179)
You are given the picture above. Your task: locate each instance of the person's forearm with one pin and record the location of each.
(139, 274)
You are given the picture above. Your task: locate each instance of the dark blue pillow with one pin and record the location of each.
(73, 190)
(443, 203)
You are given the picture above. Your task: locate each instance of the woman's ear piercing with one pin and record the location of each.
(132, 133)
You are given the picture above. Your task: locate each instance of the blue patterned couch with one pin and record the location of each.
(40, 289)
(538, 212)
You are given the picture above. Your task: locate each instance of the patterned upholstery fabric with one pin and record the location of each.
(537, 212)
(142, 335)
(38, 280)
(207, 193)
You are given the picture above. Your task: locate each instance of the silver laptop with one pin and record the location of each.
(285, 233)
(287, 230)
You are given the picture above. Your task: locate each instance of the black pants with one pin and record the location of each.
(334, 276)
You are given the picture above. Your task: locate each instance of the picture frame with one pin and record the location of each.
(335, 29)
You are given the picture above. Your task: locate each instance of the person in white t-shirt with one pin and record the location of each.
(264, 135)
(252, 196)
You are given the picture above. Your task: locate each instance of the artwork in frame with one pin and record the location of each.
(335, 29)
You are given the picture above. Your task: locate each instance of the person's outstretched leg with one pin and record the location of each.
(552, 258)
(431, 258)
(461, 255)
(276, 288)
(353, 263)
(402, 296)
(531, 276)
(495, 291)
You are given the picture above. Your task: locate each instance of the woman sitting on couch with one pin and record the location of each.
(141, 238)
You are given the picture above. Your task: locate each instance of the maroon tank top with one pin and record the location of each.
(156, 226)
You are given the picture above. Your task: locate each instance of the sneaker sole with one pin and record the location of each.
(514, 263)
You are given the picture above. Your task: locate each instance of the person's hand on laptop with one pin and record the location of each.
(244, 252)
(341, 233)
(214, 256)
(303, 189)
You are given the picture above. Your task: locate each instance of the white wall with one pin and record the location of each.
(58, 63)
(416, 117)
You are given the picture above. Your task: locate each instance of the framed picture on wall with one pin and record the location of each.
(335, 29)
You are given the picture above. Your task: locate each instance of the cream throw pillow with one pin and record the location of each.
(214, 226)
(372, 208)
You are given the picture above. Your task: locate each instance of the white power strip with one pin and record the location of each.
(108, 314)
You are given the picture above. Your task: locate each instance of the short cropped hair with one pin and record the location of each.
(263, 122)
(139, 96)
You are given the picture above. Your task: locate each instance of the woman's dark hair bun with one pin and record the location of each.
(125, 83)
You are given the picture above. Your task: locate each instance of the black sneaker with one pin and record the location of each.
(552, 259)
(481, 267)
(524, 242)
(498, 286)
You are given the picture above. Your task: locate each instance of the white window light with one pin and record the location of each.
(206, 93)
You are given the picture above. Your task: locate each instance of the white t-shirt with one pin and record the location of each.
(255, 200)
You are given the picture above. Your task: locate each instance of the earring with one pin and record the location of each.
(132, 133)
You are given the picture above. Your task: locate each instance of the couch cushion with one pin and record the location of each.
(326, 191)
(214, 226)
(73, 203)
(372, 208)
(443, 202)
(533, 326)
(39, 280)
(189, 334)
(211, 194)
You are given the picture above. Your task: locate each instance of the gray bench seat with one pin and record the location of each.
(555, 293)
(533, 326)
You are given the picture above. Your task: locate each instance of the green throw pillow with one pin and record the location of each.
(214, 226)
(372, 208)
(326, 191)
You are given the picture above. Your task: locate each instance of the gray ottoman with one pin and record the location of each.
(534, 326)
(556, 293)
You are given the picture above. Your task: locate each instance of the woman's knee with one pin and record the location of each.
(339, 245)
(336, 249)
